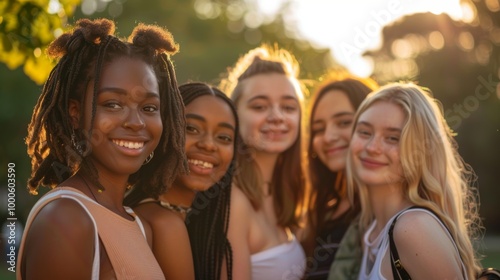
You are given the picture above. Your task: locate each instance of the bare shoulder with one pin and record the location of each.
(422, 242)
(160, 218)
(417, 224)
(170, 240)
(238, 233)
(239, 201)
(61, 228)
(65, 216)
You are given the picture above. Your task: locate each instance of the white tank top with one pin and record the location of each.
(285, 261)
(380, 247)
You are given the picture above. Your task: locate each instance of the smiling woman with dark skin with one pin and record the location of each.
(103, 112)
(199, 200)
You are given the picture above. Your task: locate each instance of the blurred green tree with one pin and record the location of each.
(459, 62)
(26, 28)
(210, 41)
(211, 34)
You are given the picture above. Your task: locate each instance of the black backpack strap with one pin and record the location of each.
(489, 274)
(398, 271)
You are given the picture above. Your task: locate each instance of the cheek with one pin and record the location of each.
(246, 129)
(226, 157)
(316, 144)
(394, 154)
(356, 145)
(190, 141)
(157, 126)
(102, 126)
(294, 120)
(346, 133)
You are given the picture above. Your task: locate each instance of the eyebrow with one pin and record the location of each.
(287, 97)
(121, 91)
(337, 115)
(200, 118)
(395, 129)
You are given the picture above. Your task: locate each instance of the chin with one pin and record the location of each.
(274, 148)
(200, 186)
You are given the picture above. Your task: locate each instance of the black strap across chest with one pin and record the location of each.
(398, 271)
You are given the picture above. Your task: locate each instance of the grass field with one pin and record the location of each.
(491, 252)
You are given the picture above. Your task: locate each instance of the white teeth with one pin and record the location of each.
(128, 144)
(200, 163)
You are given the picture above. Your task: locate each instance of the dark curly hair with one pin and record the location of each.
(83, 53)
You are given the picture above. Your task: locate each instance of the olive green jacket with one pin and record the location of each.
(349, 254)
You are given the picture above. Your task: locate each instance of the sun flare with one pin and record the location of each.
(349, 28)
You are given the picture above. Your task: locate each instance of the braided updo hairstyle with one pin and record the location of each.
(83, 53)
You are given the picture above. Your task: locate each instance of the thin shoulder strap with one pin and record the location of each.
(137, 219)
(74, 195)
(398, 271)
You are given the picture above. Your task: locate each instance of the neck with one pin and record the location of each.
(386, 201)
(341, 184)
(266, 163)
(111, 196)
(179, 195)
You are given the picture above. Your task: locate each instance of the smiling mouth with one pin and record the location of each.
(335, 150)
(129, 144)
(201, 163)
(372, 164)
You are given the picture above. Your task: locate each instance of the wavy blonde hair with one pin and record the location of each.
(435, 175)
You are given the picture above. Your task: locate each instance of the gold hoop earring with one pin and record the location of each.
(149, 158)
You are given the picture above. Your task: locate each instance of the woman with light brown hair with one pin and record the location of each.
(268, 184)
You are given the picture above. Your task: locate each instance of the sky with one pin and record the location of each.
(349, 28)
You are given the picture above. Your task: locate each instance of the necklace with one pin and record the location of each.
(88, 187)
(175, 208)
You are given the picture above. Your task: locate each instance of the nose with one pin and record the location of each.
(207, 143)
(374, 145)
(134, 120)
(331, 134)
(275, 115)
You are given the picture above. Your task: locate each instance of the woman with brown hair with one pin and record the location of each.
(330, 126)
(268, 184)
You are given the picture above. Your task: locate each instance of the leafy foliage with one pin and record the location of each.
(26, 28)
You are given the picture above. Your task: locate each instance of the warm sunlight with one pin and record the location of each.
(350, 28)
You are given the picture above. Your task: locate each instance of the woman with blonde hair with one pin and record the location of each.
(268, 180)
(418, 211)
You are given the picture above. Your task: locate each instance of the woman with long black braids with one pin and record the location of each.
(188, 223)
